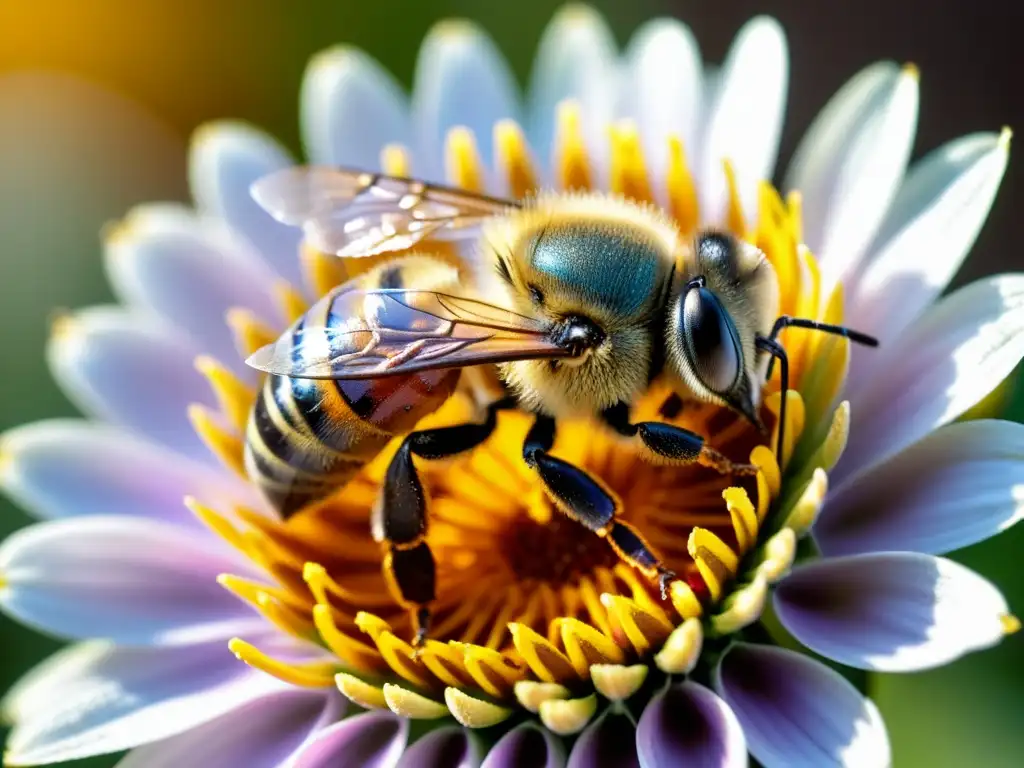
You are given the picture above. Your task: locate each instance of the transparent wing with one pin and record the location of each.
(354, 213)
(367, 334)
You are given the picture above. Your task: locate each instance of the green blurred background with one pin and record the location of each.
(98, 98)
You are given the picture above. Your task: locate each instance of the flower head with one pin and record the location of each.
(545, 644)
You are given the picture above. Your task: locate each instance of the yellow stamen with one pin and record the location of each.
(250, 333)
(472, 712)
(316, 674)
(628, 169)
(512, 158)
(1011, 624)
(806, 509)
(616, 682)
(530, 694)
(734, 213)
(682, 193)
(394, 160)
(545, 660)
(415, 706)
(743, 607)
(225, 446)
(642, 629)
(567, 716)
(684, 600)
(572, 162)
(584, 646)
(744, 519)
(679, 654)
(353, 653)
(217, 523)
(321, 272)
(233, 396)
(462, 160)
(716, 562)
(359, 692)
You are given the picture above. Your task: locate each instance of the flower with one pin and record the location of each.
(533, 615)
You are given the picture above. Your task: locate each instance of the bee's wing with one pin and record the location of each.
(353, 213)
(368, 334)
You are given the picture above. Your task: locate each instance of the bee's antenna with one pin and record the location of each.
(785, 321)
(778, 352)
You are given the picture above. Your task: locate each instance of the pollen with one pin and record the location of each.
(533, 611)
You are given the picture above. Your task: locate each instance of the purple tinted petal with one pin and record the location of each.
(95, 699)
(892, 611)
(224, 160)
(689, 725)
(371, 740)
(189, 276)
(262, 734)
(960, 485)
(526, 744)
(131, 371)
(797, 713)
(947, 361)
(443, 748)
(133, 581)
(608, 742)
(72, 468)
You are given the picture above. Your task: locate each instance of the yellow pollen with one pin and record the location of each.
(911, 70)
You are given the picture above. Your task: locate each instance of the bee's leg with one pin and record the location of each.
(586, 500)
(400, 515)
(673, 444)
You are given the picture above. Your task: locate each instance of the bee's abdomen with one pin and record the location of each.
(308, 438)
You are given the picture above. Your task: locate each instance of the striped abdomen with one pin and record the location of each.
(307, 438)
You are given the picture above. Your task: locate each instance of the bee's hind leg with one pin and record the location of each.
(586, 500)
(400, 514)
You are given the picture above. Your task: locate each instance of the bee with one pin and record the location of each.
(580, 301)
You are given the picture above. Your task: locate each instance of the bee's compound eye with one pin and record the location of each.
(710, 340)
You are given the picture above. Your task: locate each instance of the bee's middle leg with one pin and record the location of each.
(586, 500)
(400, 514)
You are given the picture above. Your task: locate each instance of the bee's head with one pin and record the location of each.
(725, 295)
(597, 279)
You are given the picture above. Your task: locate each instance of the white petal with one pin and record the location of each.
(891, 611)
(744, 122)
(266, 733)
(663, 89)
(947, 361)
(957, 486)
(96, 699)
(851, 161)
(798, 713)
(926, 236)
(371, 740)
(130, 580)
(190, 278)
(577, 59)
(132, 371)
(461, 79)
(351, 107)
(225, 158)
(71, 468)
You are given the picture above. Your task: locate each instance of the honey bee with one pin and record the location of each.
(579, 300)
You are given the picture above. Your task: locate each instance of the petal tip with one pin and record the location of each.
(911, 71)
(1005, 138)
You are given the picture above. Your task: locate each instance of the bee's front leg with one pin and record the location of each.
(400, 514)
(586, 500)
(673, 444)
